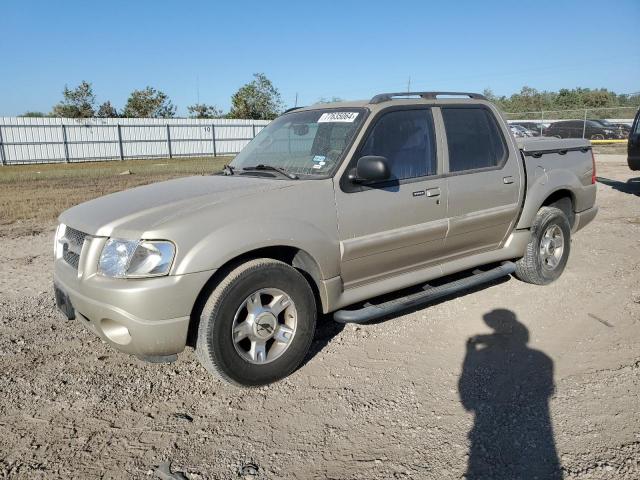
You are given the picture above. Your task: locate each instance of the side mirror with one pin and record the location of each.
(370, 168)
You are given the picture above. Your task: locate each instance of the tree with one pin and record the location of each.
(77, 103)
(107, 110)
(33, 114)
(149, 103)
(257, 100)
(202, 110)
(488, 93)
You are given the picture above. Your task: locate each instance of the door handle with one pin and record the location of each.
(433, 192)
(508, 180)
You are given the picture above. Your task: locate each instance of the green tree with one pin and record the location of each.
(257, 100)
(107, 110)
(33, 114)
(76, 103)
(149, 103)
(202, 110)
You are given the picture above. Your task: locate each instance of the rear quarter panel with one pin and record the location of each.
(552, 172)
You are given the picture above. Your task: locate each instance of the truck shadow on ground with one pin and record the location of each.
(507, 386)
(327, 328)
(631, 186)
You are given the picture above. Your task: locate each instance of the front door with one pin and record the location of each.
(398, 225)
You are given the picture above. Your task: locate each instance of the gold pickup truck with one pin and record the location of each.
(328, 207)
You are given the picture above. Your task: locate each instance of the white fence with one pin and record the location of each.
(51, 140)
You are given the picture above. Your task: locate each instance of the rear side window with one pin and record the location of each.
(406, 139)
(474, 139)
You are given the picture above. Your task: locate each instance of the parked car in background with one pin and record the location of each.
(536, 128)
(520, 132)
(633, 145)
(621, 128)
(591, 129)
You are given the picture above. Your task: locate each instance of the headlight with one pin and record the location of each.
(135, 259)
(57, 245)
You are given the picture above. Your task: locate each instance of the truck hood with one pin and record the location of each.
(130, 213)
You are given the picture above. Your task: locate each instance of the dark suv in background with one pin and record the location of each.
(593, 130)
(633, 147)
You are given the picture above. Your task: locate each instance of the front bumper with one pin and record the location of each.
(145, 317)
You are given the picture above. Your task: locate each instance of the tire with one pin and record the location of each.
(597, 136)
(242, 311)
(543, 261)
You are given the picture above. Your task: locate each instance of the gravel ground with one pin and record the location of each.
(548, 375)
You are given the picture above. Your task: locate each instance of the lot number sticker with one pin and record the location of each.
(347, 117)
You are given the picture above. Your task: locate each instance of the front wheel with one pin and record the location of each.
(548, 248)
(258, 323)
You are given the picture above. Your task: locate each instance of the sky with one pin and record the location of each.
(206, 50)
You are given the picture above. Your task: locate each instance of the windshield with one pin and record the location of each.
(302, 143)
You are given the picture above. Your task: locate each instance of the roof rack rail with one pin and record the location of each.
(291, 109)
(385, 97)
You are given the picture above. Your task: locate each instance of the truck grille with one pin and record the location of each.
(72, 243)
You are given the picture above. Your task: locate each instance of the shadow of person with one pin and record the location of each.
(507, 385)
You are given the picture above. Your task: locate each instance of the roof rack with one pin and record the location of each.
(385, 97)
(291, 109)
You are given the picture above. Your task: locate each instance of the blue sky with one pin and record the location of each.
(348, 49)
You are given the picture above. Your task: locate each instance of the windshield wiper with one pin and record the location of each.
(281, 171)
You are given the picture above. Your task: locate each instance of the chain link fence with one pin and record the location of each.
(596, 124)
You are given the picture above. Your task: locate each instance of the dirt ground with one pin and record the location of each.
(548, 375)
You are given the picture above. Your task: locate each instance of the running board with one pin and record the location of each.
(372, 312)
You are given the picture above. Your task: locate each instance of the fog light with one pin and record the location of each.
(115, 331)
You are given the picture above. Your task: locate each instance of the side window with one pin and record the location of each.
(474, 139)
(406, 139)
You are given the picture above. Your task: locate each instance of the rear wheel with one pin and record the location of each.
(257, 324)
(597, 136)
(548, 249)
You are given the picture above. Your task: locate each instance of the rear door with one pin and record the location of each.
(391, 227)
(484, 179)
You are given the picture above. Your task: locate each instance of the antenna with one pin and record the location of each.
(409, 84)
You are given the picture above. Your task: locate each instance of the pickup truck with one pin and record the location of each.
(326, 210)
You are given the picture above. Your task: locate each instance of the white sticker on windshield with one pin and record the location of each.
(338, 117)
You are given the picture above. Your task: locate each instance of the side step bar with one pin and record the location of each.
(372, 312)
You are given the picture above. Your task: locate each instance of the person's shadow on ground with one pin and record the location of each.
(507, 385)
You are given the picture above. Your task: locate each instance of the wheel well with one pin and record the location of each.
(562, 199)
(299, 259)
